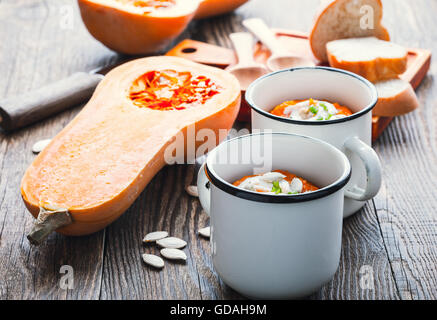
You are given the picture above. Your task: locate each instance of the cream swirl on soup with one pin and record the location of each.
(276, 182)
(311, 110)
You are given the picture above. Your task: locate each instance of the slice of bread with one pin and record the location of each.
(340, 19)
(374, 59)
(395, 97)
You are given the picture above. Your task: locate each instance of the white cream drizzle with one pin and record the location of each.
(319, 111)
(265, 184)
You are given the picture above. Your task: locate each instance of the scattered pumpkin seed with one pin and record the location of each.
(173, 254)
(192, 191)
(154, 236)
(205, 232)
(40, 145)
(172, 243)
(153, 260)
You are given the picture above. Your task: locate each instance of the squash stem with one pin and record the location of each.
(47, 222)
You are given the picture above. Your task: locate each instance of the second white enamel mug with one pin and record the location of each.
(274, 246)
(352, 135)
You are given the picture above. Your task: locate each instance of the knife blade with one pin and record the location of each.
(22, 110)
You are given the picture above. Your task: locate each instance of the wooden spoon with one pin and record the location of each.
(280, 58)
(246, 70)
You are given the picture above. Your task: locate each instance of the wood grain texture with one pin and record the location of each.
(36, 51)
(394, 235)
(406, 205)
(363, 258)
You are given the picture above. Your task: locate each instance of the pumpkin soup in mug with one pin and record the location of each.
(275, 182)
(350, 132)
(311, 110)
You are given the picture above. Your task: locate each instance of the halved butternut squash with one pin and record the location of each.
(210, 8)
(96, 167)
(136, 26)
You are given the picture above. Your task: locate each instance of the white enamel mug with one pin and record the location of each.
(274, 246)
(352, 135)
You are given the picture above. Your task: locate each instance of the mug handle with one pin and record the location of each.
(373, 170)
(204, 189)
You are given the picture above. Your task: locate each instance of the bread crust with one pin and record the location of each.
(373, 70)
(318, 37)
(398, 104)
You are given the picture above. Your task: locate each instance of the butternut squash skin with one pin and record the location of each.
(210, 8)
(133, 33)
(99, 163)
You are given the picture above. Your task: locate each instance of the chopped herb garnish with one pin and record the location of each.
(320, 119)
(324, 106)
(313, 110)
(293, 192)
(276, 188)
(329, 117)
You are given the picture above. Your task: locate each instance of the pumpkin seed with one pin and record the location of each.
(157, 235)
(153, 260)
(173, 254)
(192, 191)
(172, 243)
(205, 232)
(40, 145)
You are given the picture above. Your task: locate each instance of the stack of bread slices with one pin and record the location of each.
(348, 39)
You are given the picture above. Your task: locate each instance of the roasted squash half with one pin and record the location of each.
(210, 8)
(96, 167)
(136, 26)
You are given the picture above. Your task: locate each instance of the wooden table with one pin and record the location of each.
(393, 239)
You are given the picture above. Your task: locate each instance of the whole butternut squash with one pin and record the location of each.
(136, 26)
(210, 8)
(95, 168)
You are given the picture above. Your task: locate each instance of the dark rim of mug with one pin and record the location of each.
(270, 198)
(313, 123)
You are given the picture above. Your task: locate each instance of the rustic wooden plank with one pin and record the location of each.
(112, 268)
(164, 205)
(35, 50)
(364, 272)
(406, 205)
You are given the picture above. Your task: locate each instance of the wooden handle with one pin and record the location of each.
(20, 111)
(262, 31)
(204, 53)
(243, 44)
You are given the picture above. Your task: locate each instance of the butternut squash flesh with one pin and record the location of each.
(136, 27)
(99, 163)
